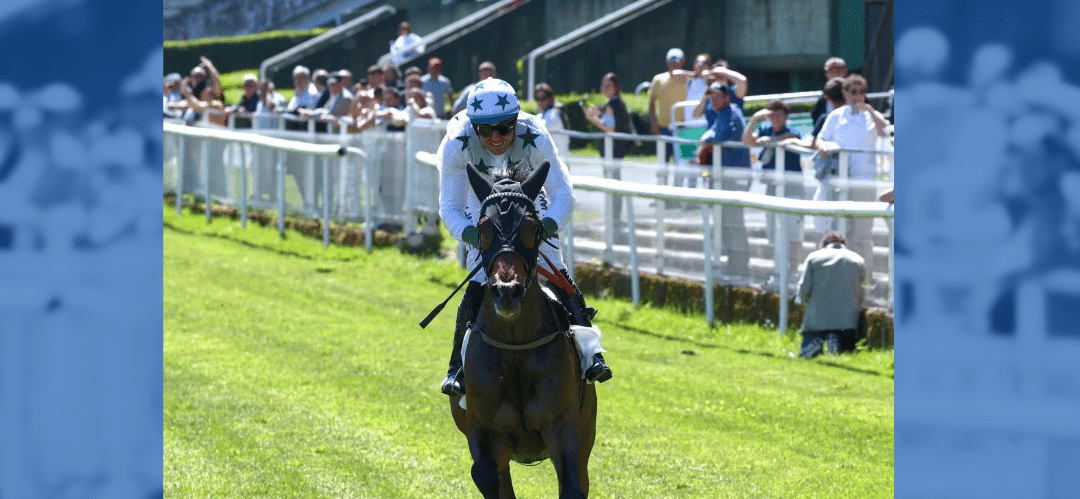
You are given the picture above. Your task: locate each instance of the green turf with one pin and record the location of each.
(294, 371)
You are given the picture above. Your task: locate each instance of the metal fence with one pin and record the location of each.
(640, 223)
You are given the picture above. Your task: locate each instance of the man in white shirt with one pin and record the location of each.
(407, 44)
(856, 125)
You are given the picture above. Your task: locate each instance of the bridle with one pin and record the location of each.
(510, 237)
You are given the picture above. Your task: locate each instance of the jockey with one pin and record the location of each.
(492, 132)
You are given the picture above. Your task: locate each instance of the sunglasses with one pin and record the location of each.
(504, 128)
(856, 92)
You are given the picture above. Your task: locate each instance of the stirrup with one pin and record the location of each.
(599, 372)
(454, 383)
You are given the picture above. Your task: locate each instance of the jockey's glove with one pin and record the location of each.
(471, 236)
(550, 226)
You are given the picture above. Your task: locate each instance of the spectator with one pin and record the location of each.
(666, 89)
(734, 79)
(346, 78)
(320, 77)
(442, 92)
(305, 95)
(392, 114)
(414, 81)
(696, 86)
(835, 67)
(363, 111)
(770, 137)
(832, 289)
(203, 76)
(392, 77)
(855, 125)
(551, 114)
(271, 103)
(416, 105)
(173, 102)
(340, 102)
(726, 124)
(376, 77)
(249, 102)
(413, 70)
(407, 45)
(615, 118)
(486, 70)
(207, 103)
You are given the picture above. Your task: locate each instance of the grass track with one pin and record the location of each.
(292, 371)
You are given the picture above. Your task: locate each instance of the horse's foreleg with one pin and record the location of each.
(491, 465)
(564, 448)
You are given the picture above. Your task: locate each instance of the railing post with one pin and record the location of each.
(780, 173)
(369, 225)
(718, 210)
(410, 162)
(609, 204)
(308, 189)
(243, 185)
(635, 273)
(180, 174)
(843, 189)
(326, 202)
(781, 263)
(661, 179)
(279, 178)
(707, 228)
(204, 151)
(892, 263)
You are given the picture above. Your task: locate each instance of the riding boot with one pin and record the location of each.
(582, 315)
(467, 312)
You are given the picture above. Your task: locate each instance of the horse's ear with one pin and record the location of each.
(532, 185)
(481, 185)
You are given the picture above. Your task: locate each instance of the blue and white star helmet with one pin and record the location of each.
(492, 101)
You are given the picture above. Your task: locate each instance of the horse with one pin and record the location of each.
(525, 398)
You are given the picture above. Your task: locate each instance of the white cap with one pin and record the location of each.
(674, 55)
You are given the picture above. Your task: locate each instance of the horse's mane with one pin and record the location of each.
(512, 174)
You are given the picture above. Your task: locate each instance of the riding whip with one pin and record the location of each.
(439, 307)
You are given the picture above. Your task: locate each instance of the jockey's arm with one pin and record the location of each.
(454, 187)
(560, 193)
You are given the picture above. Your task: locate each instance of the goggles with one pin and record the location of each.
(504, 128)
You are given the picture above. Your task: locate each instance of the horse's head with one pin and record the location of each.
(510, 233)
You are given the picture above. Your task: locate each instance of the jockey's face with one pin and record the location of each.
(498, 143)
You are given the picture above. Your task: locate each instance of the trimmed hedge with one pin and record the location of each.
(730, 303)
(234, 52)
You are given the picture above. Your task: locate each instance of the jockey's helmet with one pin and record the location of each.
(492, 101)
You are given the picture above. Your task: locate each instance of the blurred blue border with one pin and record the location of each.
(978, 412)
(82, 372)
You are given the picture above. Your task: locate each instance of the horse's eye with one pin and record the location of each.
(487, 229)
(530, 232)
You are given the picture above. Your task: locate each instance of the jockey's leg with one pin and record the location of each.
(467, 312)
(580, 313)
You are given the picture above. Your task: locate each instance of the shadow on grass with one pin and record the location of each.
(746, 351)
(249, 244)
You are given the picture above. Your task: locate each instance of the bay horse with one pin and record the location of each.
(525, 399)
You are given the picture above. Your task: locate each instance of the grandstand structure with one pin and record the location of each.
(780, 46)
